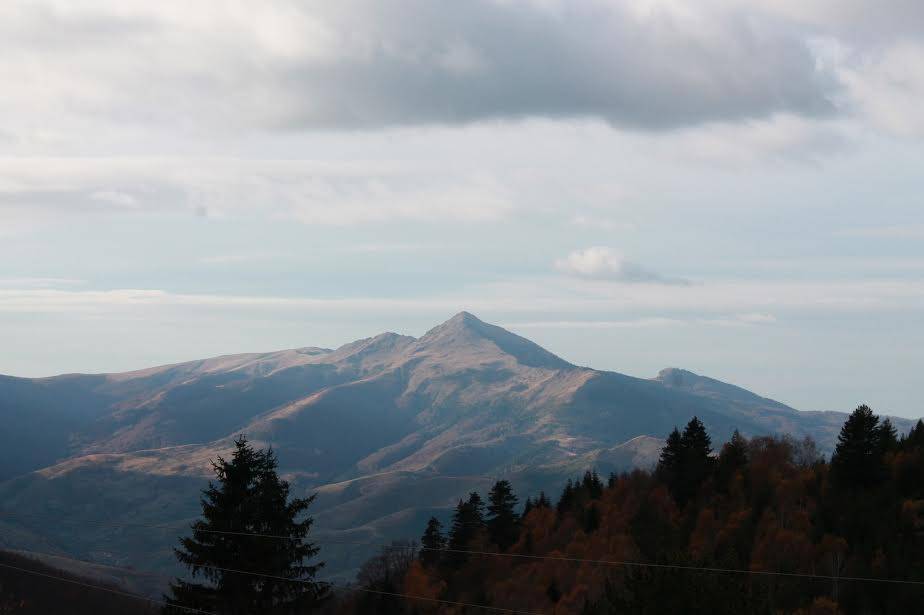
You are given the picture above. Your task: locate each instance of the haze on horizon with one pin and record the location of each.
(732, 187)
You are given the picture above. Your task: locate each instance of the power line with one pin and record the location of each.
(274, 577)
(576, 560)
(106, 589)
(372, 591)
(449, 602)
(627, 563)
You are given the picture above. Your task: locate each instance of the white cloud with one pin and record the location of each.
(778, 138)
(740, 301)
(897, 231)
(597, 324)
(603, 263)
(39, 282)
(307, 191)
(116, 197)
(888, 88)
(641, 323)
(756, 318)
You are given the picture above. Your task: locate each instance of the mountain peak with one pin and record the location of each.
(463, 319)
(466, 329)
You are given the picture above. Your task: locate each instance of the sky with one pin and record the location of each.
(734, 188)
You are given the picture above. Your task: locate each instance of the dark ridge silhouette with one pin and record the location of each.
(22, 593)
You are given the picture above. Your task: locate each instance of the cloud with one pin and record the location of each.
(332, 194)
(648, 322)
(605, 264)
(285, 65)
(782, 138)
(636, 323)
(898, 231)
(888, 87)
(18, 283)
(547, 299)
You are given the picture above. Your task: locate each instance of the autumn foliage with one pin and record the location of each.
(750, 510)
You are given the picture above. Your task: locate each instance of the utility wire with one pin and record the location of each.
(268, 576)
(106, 589)
(575, 560)
(371, 591)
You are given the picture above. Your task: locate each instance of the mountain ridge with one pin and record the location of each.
(388, 429)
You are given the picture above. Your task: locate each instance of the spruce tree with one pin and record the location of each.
(476, 508)
(249, 499)
(915, 437)
(733, 456)
(467, 522)
(696, 441)
(592, 485)
(502, 521)
(432, 542)
(888, 436)
(671, 459)
(685, 460)
(527, 507)
(567, 499)
(857, 459)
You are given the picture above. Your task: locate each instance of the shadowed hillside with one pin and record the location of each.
(387, 429)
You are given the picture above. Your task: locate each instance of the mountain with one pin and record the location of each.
(387, 430)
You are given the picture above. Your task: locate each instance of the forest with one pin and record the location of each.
(758, 525)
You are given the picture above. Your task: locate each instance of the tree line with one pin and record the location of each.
(765, 504)
(694, 535)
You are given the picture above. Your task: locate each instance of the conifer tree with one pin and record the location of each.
(671, 459)
(527, 507)
(696, 442)
(685, 460)
(460, 531)
(915, 437)
(592, 484)
(734, 455)
(502, 521)
(432, 542)
(477, 509)
(888, 436)
(568, 496)
(249, 499)
(857, 459)
(467, 522)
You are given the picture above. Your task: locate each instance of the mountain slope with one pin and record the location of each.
(387, 429)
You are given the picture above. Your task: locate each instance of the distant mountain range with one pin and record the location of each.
(387, 430)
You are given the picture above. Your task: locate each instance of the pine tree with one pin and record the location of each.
(696, 441)
(592, 484)
(249, 498)
(567, 499)
(857, 459)
(467, 522)
(502, 521)
(432, 542)
(527, 507)
(733, 456)
(888, 436)
(685, 460)
(460, 532)
(915, 437)
(671, 460)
